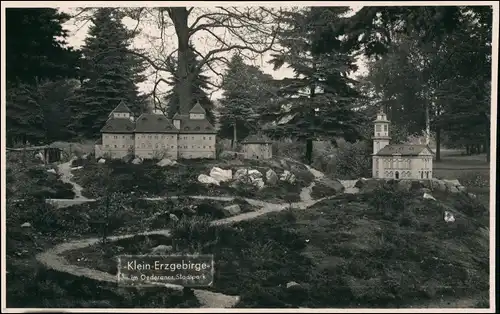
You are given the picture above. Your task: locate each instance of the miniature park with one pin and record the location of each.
(390, 219)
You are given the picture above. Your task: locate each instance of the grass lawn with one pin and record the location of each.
(384, 249)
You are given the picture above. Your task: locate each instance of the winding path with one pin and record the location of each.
(53, 258)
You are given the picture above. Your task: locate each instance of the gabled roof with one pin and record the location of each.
(197, 109)
(197, 126)
(117, 125)
(121, 108)
(256, 139)
(403, 150)
(153, 123)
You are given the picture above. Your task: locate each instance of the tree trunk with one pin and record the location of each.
(309, 150)
(179, 17)
(487, 147)
(235, 139)
(438, 144)
(427, 124)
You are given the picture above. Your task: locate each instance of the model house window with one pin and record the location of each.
(156, 146)
(378, 128)
(143, 145)
(123, 146)
(116, 146)
(209, 137)
(385, 127)
(149, 136)
(116, 137)
(156, 137)
(209, 146)
(172, 147)
(203, 147)
(192, 137)
(150, 145)
(203, 137)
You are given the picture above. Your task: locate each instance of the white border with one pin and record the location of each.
(494, 91)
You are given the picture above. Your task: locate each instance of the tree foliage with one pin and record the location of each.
(317, 102)
(36, 57)
(199, 88)
(247, 93)
(110, 74)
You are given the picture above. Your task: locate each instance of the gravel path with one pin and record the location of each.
(53, 258)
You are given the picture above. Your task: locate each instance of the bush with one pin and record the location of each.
(348, 161)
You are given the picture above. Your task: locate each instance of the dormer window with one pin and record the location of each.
(186, 128)
(197, 128)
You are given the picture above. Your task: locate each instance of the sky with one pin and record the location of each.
(149, 40)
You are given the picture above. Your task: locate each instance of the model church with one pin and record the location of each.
(401, 161)
(153, 135)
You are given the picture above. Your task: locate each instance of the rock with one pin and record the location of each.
(161, 249)
(26, 225)
(428, 196)
(203, 178)
(404, 185)
(165, 162)
(40, 156)
(259, 183)
(102, 161)
(77, 168)
(293, 285)
(438, 185)
(173, 217)
(137, 161)
(287, 176)
(472, 195)
(271, 177)
(85, 156)
(452, 182)
(448, 217)
(232, 210)
(244, 174)
(453, 189)
(360, 183)
(221, 175)
(52, 171)
(462, 188)
(333, 184)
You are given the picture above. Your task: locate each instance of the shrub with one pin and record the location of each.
(349, 161)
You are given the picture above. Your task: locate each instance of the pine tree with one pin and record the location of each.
(35, 52)
(110, 74)
(319, 99)
(247, 94)
(198, 89)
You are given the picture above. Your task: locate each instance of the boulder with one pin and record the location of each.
(271, 177)
(165, 162)
(221, 175)
(232, 210)
(161, 249)
(203, 178)
(52, 171)
(137, 161)
(173, 217)
(360, 183)
(26, 225)
(292, 285)
(85, 156)
(77, 168)
(453, 189)
(40, 156)
(438, 185)
(428, 196)
(452, 182)
(448, 217)
(462, 188)
(243, 174)
(102, 161)
(287, 176)
(259, 183)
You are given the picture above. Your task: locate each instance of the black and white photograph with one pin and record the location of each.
(248, 155)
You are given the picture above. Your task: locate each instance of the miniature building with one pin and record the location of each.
(256, 147)
(402, 161)
(153, 135)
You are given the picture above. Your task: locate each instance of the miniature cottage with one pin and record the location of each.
(256, 147)
(153, 135)
(402, 161)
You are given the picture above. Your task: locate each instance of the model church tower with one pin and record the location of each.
(398, 161)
